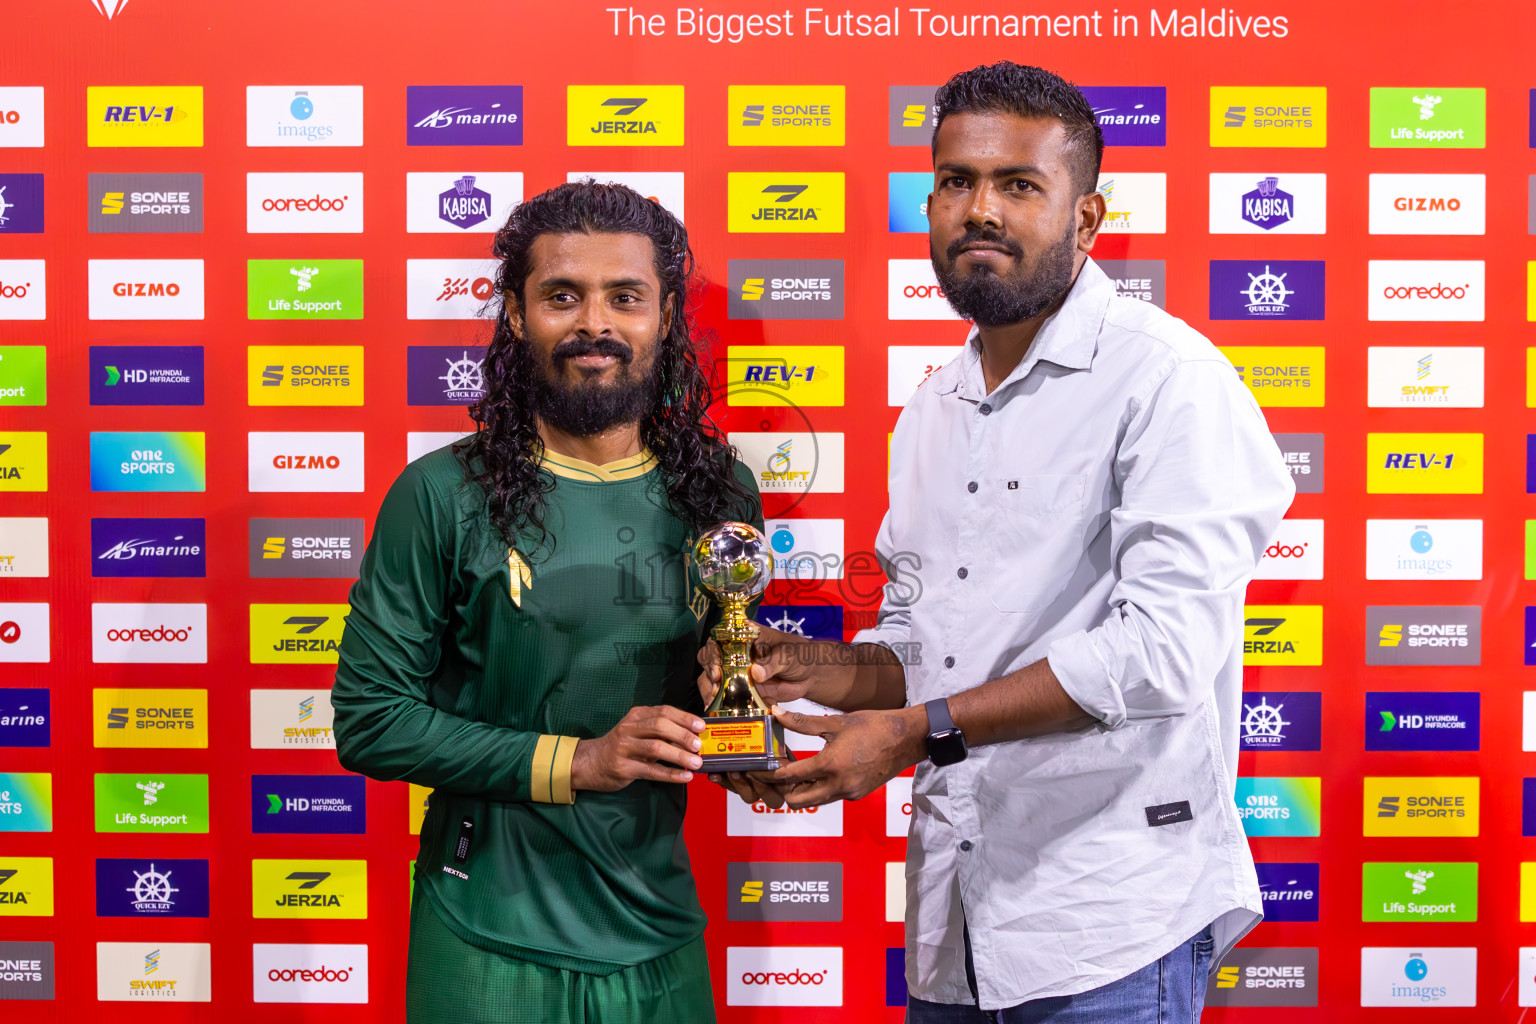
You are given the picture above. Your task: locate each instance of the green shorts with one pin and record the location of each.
(449, 981)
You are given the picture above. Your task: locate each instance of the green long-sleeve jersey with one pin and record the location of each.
(473, 668)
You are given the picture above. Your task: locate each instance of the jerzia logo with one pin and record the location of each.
(325, 888)
(811, 202)
(296, 633)
(627, 115)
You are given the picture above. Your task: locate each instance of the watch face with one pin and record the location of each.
(947, 747)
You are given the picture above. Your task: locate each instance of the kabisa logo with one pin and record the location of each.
(1146, 280)
(1289, 891)
(23, 290)
(305, 548)
(304, 375)
(330, 202)
(1424, 463)
(464, 206)
(21, 117)
(26, 889)
(781, 891)
(145, 203)
(1422, 721)
(21, 204)
(1420, 976)
(304, 462)
(1421, 806)
(1427, 635)
(444, 375)
(1130, 115)
(25, 716)
(309, 889)
(1269, 205)
(283, 719)
(1269, 116)
(313, 115)
(1430, 549)
(1259, 204)
(786, 115)
(156, 888)
(1268, 290)
(464, 115)
(1432, 118)
(785, 201)
(1282, 376)
(26, 802)
(1280, 806)
(151, 803)
(1419, 891)
(149, 633)
(802, 375)
(308, 804)
(147, 461)
(911, 115)
(1259, 976)
(1283, 635)
(148, 547)
(150, 718)
(144, 289)
(284, 973)
(304, 289)
(784, 976)
(469, 201)
(624, 115)
(792, 289)
(1282, 721)
(1425, 290)
(152, 375)
(130, 115)
(307, 634)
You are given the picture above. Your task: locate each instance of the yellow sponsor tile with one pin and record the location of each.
(296, 634)
(23, 460)
(1281, 376)
(1266, 116)
(1283, 634)
(1424, 463)
(309, 888)
(785, 201)
(26, 886)
(418, 806)
(623, 115)
(149, 718)
(1421, 806)
(798, 375)
(304, 375)
(144, 115)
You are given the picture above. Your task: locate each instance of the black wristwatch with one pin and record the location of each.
(946, 743)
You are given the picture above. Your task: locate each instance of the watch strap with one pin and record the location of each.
(938, 716)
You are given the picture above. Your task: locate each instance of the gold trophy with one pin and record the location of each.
(740, 733)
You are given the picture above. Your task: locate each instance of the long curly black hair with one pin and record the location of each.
(696, 463)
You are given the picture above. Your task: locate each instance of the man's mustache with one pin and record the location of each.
(573, 347)
(1007, 245)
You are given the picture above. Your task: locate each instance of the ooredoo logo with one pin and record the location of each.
(1296, 553)
(320, 203)
(149, 633)
(145, 289)
(784, 976)
(289, 461)
(23, 290)
(1425, 290)
(913, 293)
(283, 973)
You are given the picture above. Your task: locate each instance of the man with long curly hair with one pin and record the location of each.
(522, 634)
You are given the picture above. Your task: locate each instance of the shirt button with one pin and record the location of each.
(971, 486)
(949, 662)
(961, 572)
(965, 846)
(986, 410)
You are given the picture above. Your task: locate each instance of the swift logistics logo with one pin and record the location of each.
(144, 289)
(149, 718)
(141, 204)
(911, 115)
(790, 289)
(304, 375)
(1425, 549)
(444, 374)
(1136, 203)
(1295, 553)
(284, 719)
(24, 632)
(308, 805)
(784, 976)
(148, 548)
(1272, 116)
(1282, 377)
(624, 115)
(468, 202)
(1427, 635)
(162, 887)
(156, 634)
(303, 115)
(1280, 806)
(1260, 976)
(1430, 118)
(23, 375)
(26, 717)
(21, 204)
(907, 194)
(1269, 204)
(1422, 721)
(140, 115)
(1418, 976)
(1146, 280)
(1289, 891)
(781, 891)
(151, 803)
(296, 634)
(1449, 378)
(1418, 891)
(26, 887)
(1425, 290)
(148, 461)
(1285, 634)
(802, 375)
(1421, 806)
(305, 889)
(785, 201)
(1282, 721)
(1428, 204)
(21, 119)
(792, 463)
(463, 115)
(310, 973)
(26, 802)
(786, 115)
(304, 289)
(1424, 463)
(23, 547)
(305, 548)
(149, 375)
(1130, 115)
(170, 972)
(23, 290)
(323, 461)
(1267, 289)
(315, 202)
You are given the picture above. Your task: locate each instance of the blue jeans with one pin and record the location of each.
(1166, 991)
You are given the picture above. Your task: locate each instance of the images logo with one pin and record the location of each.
(1418, 891)
(26, 889)
(784, 892)
(785, 290)
(145, 289)
(804, 375)
(1130, 115)
(305, 548)
(155, 888)
(1146, 280)
(908, 201)
(791, 463)
(1256, 976)
(786, 115)
(1428, 549)
(912, 115)
(160, 634)
(21, 126)
(151, 803)
(309, 888)
(624, 115)
(1289, 891)
(774, 201)
(313, 115)
(147, 461)
(1282, 377)
(477, 201)
(304, 289)
(296, 634)
(1282, 721)
(149, 718)
(1283, 634)
(327, 203)
(1280, 806)
(156, 375)
(1424, 463)
(25, 717)
(1267, 289)
(784, 976)
(308, 804)
(1269, 116)
(145, 203)
(309, 973)
(913, 292)
(1428, 204)
(21, 204)
(1422, 721)
(283, 719)
(449, 289)
(26, 802)
(1428, 118)
(132, 115)
(304, 375)
(23, 632)
(1409, 377)
(1443, 635)
(1421, 806)
(1259, 204)
(444, 375)
(806, 549)
(23, 290)
(1419, 977)
(1137, 203)
(305, 462)
(148, 548)
(1433, 290)
(165, 972)
(24, 375)
(464, 115)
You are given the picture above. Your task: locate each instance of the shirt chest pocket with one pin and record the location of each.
(1035, 538)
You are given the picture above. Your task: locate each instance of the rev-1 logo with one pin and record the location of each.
(786, 374)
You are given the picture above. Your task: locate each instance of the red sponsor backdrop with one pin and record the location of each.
(385, 47)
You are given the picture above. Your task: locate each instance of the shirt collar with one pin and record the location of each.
(1068, 338)
(629, 468)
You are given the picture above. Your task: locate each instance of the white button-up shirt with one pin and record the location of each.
(1103, 508)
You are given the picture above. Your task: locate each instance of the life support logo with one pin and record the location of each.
(624, 115)
(784, 976)
(328, 203)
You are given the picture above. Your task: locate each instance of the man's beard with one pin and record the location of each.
(989, 299)
(591, 406)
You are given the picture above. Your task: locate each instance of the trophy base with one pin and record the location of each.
(743, 743)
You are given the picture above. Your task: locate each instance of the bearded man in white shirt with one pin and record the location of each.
(1088, 488)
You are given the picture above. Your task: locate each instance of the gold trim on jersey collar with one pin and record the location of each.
(636, 465)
